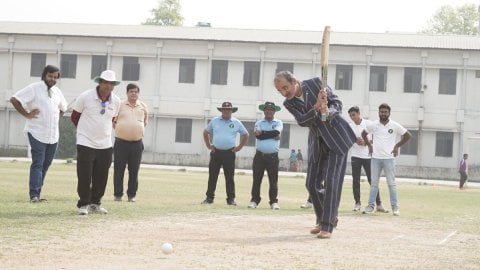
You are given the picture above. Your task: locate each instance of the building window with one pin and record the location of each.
(284, 66)
(285, 137)
(250, 126)
(251, 73)
(448, 82)
(444, 144)
(131, 69)
(183, 132)
(68, 66)
(343, 77)
(186, 72)
(412, 80)
(411, 146)
(219, 72)
(477, 74)
(99, 64)
(37, 64)
(378, 79)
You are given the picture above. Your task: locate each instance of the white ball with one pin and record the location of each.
(167, 248)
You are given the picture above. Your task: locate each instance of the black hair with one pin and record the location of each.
(132, 86)
(354, 109)
(384, 106)
(287, 75)
(50, 69)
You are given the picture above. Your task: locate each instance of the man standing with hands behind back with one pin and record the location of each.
(220, 137)
(93, 113)
(129, 130)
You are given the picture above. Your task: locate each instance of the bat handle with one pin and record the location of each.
(324, 117)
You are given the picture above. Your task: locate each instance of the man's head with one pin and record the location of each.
(465, 156)
(227, 109)
(107, 80)
(50, 75)
(354, 113)
(269, 109)
(285, 83)
(133, 92)
(384, 112)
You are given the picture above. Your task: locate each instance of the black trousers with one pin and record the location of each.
(463, 179)
(218, 159)
(92, 174)
(262, 162)
(357, 164)
(126, 153)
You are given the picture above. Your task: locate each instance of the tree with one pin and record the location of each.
(167, 13)
(461, 20)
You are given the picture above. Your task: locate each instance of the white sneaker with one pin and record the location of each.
(83, 210)
(275, 206)
(306, 205)
(396, 212)
(253, 205)
(357, 207)
(95, 208)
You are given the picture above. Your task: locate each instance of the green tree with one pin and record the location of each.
(461, 20)
(167, 13)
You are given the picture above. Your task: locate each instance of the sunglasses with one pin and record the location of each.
(104, 105)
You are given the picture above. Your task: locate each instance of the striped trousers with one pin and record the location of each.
(324, 183)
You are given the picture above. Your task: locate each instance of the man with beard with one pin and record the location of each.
(383, 152)
(42, 104)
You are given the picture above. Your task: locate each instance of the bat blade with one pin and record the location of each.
(324, 60)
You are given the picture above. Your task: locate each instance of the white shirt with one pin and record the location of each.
(94, 129)
(360, 151)
(44, 127)
(384, 138)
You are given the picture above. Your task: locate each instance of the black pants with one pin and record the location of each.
(262, 162)
(92, 174)
(126, 153)
(357, 164)
(218, 159)
(463, 178)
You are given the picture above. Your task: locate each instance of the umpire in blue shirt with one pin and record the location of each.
(267, 132)
(220, 137)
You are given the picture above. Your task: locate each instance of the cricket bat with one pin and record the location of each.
(325, 47)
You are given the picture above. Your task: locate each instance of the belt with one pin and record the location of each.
(125, 141)
(226, 150)
(267, 155)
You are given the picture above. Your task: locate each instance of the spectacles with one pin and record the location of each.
(104, 105)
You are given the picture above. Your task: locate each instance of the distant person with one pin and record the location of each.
(308, 204)
(384, 150)
(293, 161)
(93, 114)
(463, 170)
(299, 160)
(128, 148)
(42, 104)
(220, 138)
(360, 158)
(267, 131)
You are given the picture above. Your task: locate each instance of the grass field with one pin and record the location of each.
(174, 197)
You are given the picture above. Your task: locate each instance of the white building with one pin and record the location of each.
(431, 82)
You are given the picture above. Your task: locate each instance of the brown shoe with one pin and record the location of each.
(324, 235)
(316, 229)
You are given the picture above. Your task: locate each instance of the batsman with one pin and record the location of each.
(314, 105)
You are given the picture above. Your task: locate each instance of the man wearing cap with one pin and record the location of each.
(42, 104)
(220, 137)
(93, 113)
(267, 131)
(329, 140)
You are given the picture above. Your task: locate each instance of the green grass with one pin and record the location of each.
(163, 193)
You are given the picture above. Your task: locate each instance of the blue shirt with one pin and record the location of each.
(268, 146)
(224, 132)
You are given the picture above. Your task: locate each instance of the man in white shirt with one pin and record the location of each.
(93, 114)
(384, 150)
(360, 158)
(42, 104)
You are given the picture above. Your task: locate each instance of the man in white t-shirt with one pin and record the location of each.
(360, 158)
(42, 104)
(93, 113)
(384, 150)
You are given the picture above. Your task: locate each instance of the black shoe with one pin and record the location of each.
(207, 201)
(231, 202)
